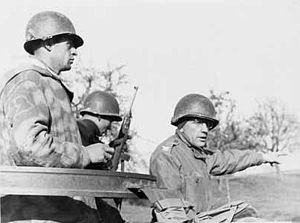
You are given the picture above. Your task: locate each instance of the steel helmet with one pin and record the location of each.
(101, 103)
(46, 25)
(195, 106)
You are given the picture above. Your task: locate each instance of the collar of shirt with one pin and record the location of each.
(41, 64)
(52, 74)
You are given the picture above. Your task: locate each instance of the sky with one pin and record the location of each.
(173, 48)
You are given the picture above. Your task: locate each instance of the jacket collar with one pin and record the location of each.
(50, 73)
(36, 62)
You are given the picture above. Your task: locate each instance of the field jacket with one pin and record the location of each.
(178, 166)
(37, 127)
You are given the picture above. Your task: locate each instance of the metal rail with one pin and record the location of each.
(72, 182)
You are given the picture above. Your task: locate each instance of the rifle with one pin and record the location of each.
(123, 134)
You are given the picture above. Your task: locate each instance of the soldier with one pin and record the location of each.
(100, 110)
(183, 163)
(37, 126)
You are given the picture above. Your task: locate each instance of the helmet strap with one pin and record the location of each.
(181, 124)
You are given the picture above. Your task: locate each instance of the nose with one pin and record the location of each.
(109, 126)
(74, 51)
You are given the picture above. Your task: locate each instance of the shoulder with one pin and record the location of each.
(166, 152)
(167, 148)
(21, 74)
(28, 79)
(26, 69)
(29, 75)
(87, 126)
(169, 144)
(89, 131)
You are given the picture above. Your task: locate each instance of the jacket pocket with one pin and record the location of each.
(197, 190)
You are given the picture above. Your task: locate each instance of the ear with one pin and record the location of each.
(48, 44)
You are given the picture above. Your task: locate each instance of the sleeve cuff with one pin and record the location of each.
(85, 157)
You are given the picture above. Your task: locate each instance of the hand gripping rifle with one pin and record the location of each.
(123, 135)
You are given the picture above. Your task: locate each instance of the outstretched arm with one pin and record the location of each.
(231, 161)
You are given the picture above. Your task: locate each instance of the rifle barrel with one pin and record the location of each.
(123, 133)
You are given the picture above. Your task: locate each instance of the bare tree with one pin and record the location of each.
(272, 128)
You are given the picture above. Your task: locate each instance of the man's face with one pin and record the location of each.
(195, 131)
(103, 124)
(63, 54)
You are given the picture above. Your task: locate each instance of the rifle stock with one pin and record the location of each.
(123, 134)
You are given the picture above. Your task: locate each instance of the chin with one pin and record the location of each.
(201, 144)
